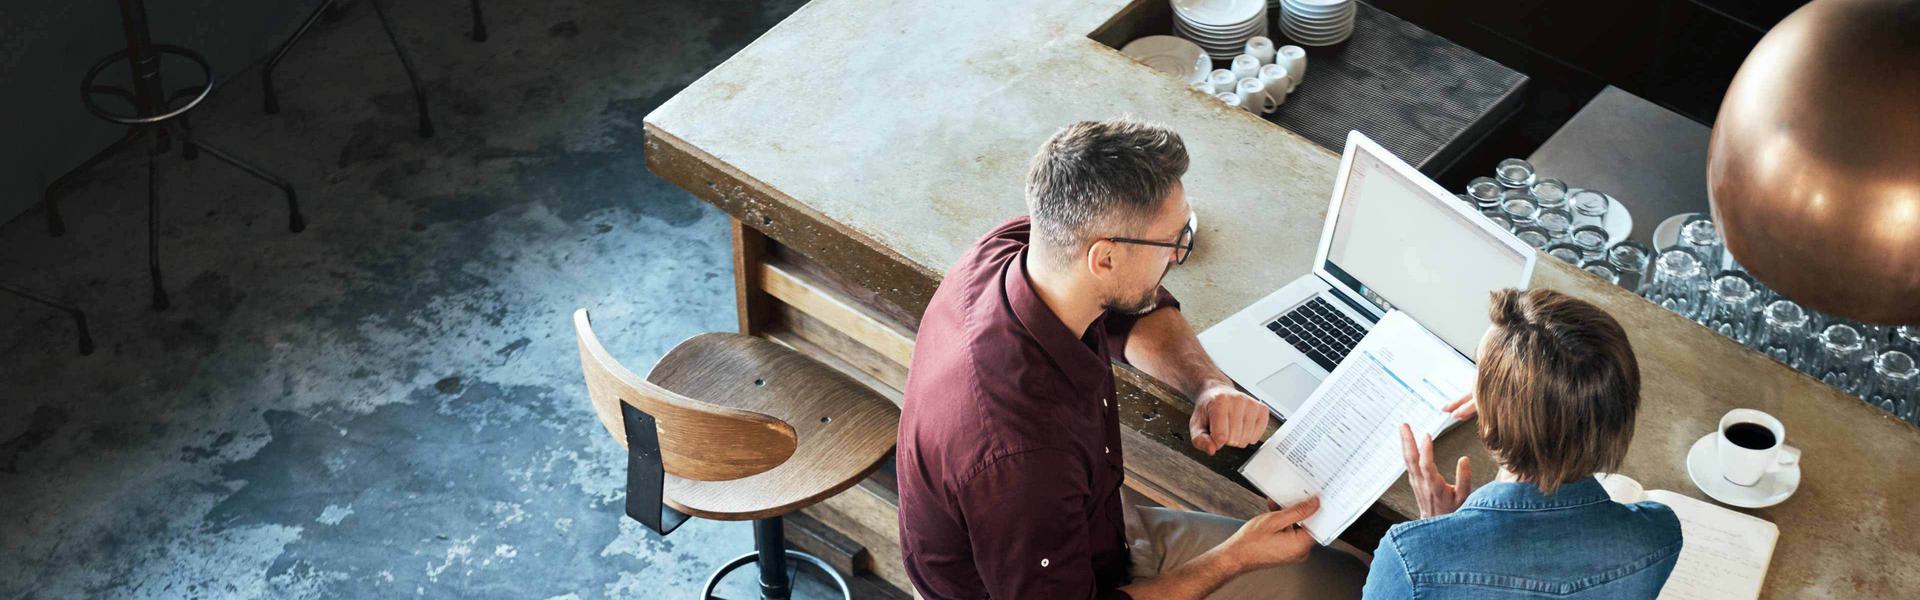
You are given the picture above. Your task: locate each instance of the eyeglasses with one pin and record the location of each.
(1182, 246)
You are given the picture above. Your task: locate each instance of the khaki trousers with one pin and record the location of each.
(1161, 539)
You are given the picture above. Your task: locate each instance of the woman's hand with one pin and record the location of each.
(1463, 408)
(1435, 496)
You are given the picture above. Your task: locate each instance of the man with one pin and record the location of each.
(1557, 392)
(1010, 462)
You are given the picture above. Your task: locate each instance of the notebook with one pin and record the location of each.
(1343, 444)
(1725, 553)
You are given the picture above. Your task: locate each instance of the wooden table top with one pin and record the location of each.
(907, 126)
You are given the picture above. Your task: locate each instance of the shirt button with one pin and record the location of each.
(1103, 450)
(1043, 563)
(1103, 402)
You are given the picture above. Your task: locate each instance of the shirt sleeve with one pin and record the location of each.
(1119, 327)
(1387, 579)
(1028, 528)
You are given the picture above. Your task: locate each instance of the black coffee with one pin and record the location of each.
(1752, 436)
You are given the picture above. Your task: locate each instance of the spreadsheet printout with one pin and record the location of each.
(1344, 444)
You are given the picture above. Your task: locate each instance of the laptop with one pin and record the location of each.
(1393, 239)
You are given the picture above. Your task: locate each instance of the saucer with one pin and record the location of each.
(1773, 488)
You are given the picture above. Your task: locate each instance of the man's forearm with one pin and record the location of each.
(1190, 581)
(1163, 345)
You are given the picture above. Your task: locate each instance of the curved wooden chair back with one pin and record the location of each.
(699, 440)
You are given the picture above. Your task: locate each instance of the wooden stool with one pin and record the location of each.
(732, 428)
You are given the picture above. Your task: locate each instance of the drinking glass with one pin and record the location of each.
(1533, 235)
(1589, 208)
(1591, 240)
(1893, 383)
(1519, 207)
(1842, 361)
(1557, 222)
(1703, 238)
(1514, 173)
(1467, 199)
(1498, 218)
(1730, 306)
(1603, 270)
(1629, 260)
(1784, 333)
(1549, 192)
(1906, 338)
(1676, 283)
(1567, 253)
(1485, 192)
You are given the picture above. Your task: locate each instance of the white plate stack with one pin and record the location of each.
(1221, 27)
(1317, 22)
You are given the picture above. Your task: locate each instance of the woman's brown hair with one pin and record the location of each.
(1558, 387)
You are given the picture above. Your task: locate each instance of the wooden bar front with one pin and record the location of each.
(855, 180)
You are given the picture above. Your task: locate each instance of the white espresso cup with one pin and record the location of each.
(1751, 444)
(1260, 47)
(1244, 66)
(1236, 101)
(1275, 78)
(1294, 58)
(1222, 81)
(1256, 95)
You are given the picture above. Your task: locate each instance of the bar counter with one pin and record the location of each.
(861, 145)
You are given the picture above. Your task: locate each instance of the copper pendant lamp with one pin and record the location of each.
(1814, 167)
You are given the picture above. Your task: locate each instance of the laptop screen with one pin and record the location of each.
(1396, 241)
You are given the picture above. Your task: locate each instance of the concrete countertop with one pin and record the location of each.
(910, 124)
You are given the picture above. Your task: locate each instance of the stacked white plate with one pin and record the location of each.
(1176, 57)
(1221, 27)
(1317, 22)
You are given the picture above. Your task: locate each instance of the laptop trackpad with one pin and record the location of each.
(1289, 387)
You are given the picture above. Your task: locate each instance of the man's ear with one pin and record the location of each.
(1099, 258)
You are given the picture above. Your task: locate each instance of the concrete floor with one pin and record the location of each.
(389, 404)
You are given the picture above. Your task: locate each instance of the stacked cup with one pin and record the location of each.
(1259, 78)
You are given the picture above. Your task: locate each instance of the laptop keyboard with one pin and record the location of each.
(1319, 330)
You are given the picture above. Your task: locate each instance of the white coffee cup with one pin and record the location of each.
(1255, 92)
(1235, 100)
(1294, 58)
(1278, 84)
(1222, 81)
(1260, 47)
(1757, 446)
(1244, 66)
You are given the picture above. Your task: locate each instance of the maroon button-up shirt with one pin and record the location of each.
(1009, 451)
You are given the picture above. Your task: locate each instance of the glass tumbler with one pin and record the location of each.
(1557, 222)
(1519, 208)
(1730, 306)
(1591, 240)
(1677, 283)
(1600, 268)
(1533, 235)
(1906, 338)
(1514, 173)
(1567, 253)
(1589, 208)
(1629, 260)
(1549, 192)
(1843, 359)
(1703, 238)
(1893, 384)
(1485, 192)
(1784, 334)
(1498, 218)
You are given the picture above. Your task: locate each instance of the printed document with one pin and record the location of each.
(1343, 445)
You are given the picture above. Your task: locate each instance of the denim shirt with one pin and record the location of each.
(1511, 541)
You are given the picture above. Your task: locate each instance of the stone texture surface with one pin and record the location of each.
(389, 404)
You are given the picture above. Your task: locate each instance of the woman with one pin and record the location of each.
(1556, 394)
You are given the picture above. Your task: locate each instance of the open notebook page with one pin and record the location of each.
(1724, 553)
(1343, 445)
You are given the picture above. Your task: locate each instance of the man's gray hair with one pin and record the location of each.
(1099, 178)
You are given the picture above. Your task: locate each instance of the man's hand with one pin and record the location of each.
(1272, 538)
(1430, 489)
(1463, 408)
(1223, 416)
